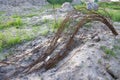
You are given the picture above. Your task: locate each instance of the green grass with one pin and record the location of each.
(108, 51)
(88, 25)
(56, 24)
(13, 36)
(10, 35)
(111, 5)
(115, 15)
(51, 6)
(24, 16)
(31, 15)
(11, 23)
(116, 47)
(112, 8)
(1, 12)
(44, 33)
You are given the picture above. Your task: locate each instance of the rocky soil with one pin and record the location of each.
(87, 61)
(96, 55)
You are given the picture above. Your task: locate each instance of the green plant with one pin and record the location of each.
(13, 36)
(31, 15)
(95, 0)
(115, 15)
(56, 25)
(12, 41)
(44, 33)
(1, 12)
(45, 20)
(108, 51)
(88, 25)
(116, 47)
(24, 16)
(17, 22)
(0, 45)
(58, 1)
(110, 5)
(54, 2)
(11, 23)
(16, 16)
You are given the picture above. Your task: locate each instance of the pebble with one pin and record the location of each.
(96, 39)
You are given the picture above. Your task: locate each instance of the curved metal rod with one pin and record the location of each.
(52, 46)
(50, 49)
(52, 61)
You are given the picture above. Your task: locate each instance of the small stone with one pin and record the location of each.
(89, 66)
(66, 7)
(25, 78)
(82, 61)
(99, 78)
(96, 39)
(97, 67)
(88, 58)
(82, 74)
(91, 45)
(92, 6)
(103, 72)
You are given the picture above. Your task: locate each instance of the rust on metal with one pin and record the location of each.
(41, 62)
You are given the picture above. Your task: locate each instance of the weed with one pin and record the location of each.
(44, 33)
(45, 21)
(117, 47)
(10, 23)
(108, 51)
(88, 25)
(0, 45)
(56, 25)
(111, 5)
(16, 16)
(112, 8)
(13, 40)
(11, 37)
(1, 12)
(24, 16)
(30, 15)
(17, 22)
(50, 6)
(115, 15)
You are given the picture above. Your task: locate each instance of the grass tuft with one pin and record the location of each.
(24, 16)
(108, 51)
(112, 8)
(11, 23)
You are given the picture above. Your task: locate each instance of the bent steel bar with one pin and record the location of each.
(49, 64)
(58, 57)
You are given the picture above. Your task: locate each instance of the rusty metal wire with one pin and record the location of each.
(64, 51)
(43, 62)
